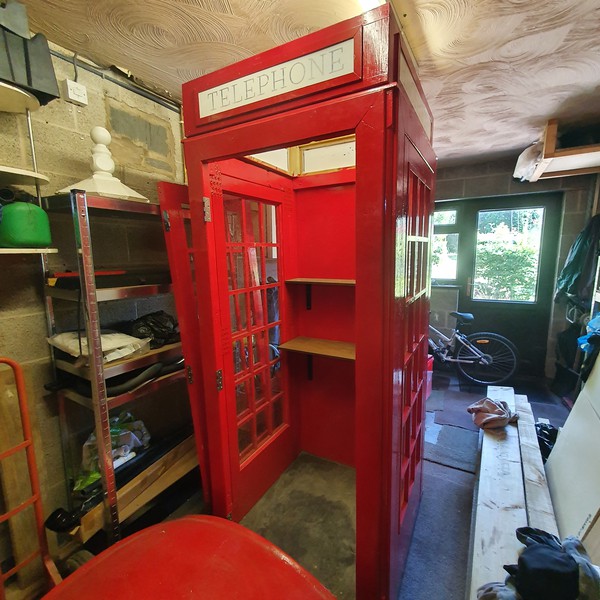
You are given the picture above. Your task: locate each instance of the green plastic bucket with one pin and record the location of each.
(24, 225)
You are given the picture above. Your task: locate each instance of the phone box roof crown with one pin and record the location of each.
(347, 57)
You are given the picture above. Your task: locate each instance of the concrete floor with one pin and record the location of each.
(310, 511)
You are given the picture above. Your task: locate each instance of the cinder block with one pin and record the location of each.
(503, 165)
(114, 314)
(62, 150)
(14, 147)
(56, 111)
(147, 244)
(491, 185)
(542, 185)
(20, 286)
(23, 336)
(164, 302)
(109, 242)
(467, 171)
(142, 182)
(449, 189)
(92, 115)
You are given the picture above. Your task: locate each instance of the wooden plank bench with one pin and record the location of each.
(511, 492)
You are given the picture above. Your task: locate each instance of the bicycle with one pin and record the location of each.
(481, 358)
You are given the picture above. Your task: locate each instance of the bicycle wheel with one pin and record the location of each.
(498, 364)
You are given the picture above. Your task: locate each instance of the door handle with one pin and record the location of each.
(469, 287)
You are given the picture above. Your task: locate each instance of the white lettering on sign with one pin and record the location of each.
(317, 67)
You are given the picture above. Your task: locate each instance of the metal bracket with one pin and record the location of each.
(219, 376)
(190, 374)
(207, 213)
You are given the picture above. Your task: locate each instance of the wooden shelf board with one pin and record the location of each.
(124, 365)
(114, 293)
(63, 202)
(15, 176)
(332, 348)
(28, 250)
(147, 485)
(320, 281)
(15, 100)
(142, 390)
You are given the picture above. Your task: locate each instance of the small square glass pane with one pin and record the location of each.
(253, 218)
(245, 437)
(278, 418)
(259, 389)
(444, 256)
(233, 219)
(275, 371)
(241, 397)
(240, 355)
(235, 269)
(262, 425)
(444, 217)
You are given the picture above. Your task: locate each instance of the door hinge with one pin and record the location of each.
(219, 375)
(190, 374)
(166, 220)
(206, 203)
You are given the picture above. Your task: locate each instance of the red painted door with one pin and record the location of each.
(247, 253)
(410, 317)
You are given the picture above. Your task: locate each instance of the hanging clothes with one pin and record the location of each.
(576, 279)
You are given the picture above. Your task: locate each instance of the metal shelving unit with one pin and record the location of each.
(118, 504)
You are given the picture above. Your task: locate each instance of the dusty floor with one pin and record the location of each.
(310, 511)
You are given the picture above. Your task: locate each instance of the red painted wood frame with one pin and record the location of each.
(375, 52)
(175, 215)
(394, 180)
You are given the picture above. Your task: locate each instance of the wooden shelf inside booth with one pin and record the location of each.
(310, 281)
(317, 281)
(321, 347)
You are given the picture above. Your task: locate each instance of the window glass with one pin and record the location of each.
(444, 255)
(444, 217)
(507, 254)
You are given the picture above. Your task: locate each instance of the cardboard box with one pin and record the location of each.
(573, 469)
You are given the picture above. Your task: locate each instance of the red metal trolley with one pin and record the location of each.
(33, 546)
(338, 369)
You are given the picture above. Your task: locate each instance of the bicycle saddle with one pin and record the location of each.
(462, 318)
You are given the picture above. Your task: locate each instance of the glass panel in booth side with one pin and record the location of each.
(245, 443)
(233, 219)
(235, 268)
(242, 397)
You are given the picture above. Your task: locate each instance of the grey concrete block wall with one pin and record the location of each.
(63, 148)
(494, 178)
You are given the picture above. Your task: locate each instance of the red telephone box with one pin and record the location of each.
(311, 289)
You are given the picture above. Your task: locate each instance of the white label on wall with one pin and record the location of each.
(324, 65)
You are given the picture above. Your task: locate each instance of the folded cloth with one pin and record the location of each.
(497, 590)
(549, 569)
(491, 414)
